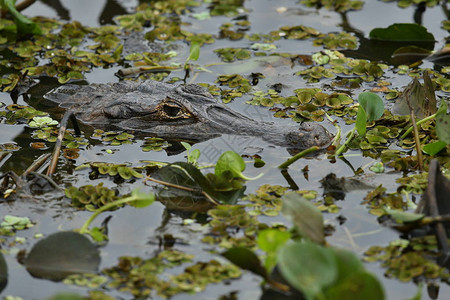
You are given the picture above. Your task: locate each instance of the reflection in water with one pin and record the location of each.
(111, 9)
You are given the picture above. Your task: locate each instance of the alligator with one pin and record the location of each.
(175, 112)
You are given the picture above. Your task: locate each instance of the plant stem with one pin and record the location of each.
(347, 141)
(184, 188)
(417, 141)
(417, 123)
(85, 228)
(297, 156)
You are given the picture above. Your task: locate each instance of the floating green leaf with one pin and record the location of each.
(270, 241)
(232, 162)
(405, 32)
(434, 148)
(62, 254)
(402, 216)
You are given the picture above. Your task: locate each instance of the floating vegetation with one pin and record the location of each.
(140, 277)
(91, 197)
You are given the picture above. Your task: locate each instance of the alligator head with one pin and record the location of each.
(177, 112)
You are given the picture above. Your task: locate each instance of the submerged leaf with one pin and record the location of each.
(62, 254)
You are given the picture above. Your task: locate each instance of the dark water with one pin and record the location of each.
(136, 231)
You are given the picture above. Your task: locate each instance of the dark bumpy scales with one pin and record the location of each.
(177, 112)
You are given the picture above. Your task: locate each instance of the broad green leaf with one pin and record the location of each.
(361, 121)
(357, 286)
(194, 51)
(246, 259)
(443, 125)
(373, 105)
(418, 97)
(193, 156)
(187, 146)
(347, 263)
(197, 176)
(233, 162)
(402, 32)
(403, 217)
(142, 199)
(97, 235)
(434, 148)
(305, 216)
(270, 241)
(62, 254)
(308, 267)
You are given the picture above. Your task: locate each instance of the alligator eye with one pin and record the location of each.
(171, 110)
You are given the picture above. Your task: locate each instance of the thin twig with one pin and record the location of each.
(36, 164)
(184, 188)
(417, 141)
(62, 130)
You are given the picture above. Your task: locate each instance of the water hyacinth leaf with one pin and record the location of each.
(373, 105)
(194, 51)
(361, 121)
(358, 285)
(270, 241)
(347, 263)
(402, 216)
(308, 267)
(142, 199)
(61, 254)
(434, 148)
(3, 272)
(246, 259)
(197, 176)
(443, 126)
(306, 217)
(402, 32)
(233, 162)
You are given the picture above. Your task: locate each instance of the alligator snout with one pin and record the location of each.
(308, 135)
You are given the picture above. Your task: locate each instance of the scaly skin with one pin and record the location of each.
(177, 112)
